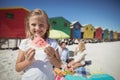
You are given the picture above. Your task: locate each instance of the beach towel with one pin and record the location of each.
(92, 77)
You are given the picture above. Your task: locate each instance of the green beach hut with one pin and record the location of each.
(60, 23)
(105, 34)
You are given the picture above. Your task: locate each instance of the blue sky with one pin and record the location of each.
(103, 13)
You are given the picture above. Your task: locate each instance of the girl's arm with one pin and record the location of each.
(53, 57)
(57, 55)
(24, 59)
(55, 60)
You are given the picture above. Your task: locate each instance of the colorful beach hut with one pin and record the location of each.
(105, 34)
(76, 29)
(115, 35)
(111, 35)
(12, 22)
(98, 33)
(118, 36)
(60, 23)
(88, 32)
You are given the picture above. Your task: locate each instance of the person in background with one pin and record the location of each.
(63, 52)
(37, 25)
(79, 57)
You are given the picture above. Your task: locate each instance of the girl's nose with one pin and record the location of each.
(37, 27)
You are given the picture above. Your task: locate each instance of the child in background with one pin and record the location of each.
(37, 68)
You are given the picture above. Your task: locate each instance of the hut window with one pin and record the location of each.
(91, 29)
(54, 23)
(87, 28)
(77, 27)
(9, 15)
(65, 24)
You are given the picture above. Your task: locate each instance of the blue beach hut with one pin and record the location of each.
(76, 29)
(111, 35)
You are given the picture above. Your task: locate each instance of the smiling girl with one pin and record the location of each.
(38, 67)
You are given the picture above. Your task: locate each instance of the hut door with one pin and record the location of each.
(76, 32)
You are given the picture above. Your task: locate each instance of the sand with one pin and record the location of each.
(7, 65)
(106, 55)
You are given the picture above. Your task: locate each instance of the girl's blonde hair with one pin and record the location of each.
(40, 13)
(81, 45)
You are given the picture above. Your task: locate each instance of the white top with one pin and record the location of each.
(41, 68)
(64, 55)
(80, 56)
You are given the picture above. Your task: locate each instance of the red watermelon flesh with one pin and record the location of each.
(39, 42)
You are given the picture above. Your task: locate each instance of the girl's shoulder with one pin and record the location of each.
(53, 43)
(25, 41)
(50, 40)
(24, 44)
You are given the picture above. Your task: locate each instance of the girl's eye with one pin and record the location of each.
(33, 24)
(41, 25)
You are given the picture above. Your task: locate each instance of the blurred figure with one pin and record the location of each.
(79, 56)
(63, 52)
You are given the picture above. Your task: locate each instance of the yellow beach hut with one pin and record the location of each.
(88, 31)
(115, 35)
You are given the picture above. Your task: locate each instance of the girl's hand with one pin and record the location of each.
(29, 55)
(49, 51)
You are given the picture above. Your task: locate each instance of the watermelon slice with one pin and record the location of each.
(39, 42)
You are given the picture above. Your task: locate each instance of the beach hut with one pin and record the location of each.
(118, 36)
(115, 35)
(12, 22)
(12, 25)
(88, 32)
(76, 29)
(111, 35)
(98, 33)
(60, 23)
(105, 34)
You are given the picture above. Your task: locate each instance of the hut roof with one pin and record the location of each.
(74, 22)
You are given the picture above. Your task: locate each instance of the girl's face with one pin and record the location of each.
(80, 46)
(38, 26)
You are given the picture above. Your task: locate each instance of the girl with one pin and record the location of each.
(37, 25)
(79, 57)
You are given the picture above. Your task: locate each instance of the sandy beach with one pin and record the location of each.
(7, 65)
(106, 55)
